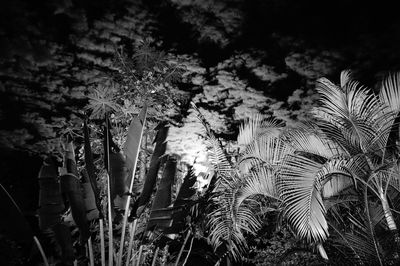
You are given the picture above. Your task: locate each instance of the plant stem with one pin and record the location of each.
(110, 229)
(46, 263)
(132, 230)
(182, 248)
(188, 253)
(140, 255)
(153, 263)
(102, 247)
(91, 258)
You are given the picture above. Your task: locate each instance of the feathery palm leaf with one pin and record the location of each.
(300, 189)
(256, 127)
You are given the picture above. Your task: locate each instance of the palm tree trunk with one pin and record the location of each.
(391, 224)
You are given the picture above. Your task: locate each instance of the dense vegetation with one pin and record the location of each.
(198, 133)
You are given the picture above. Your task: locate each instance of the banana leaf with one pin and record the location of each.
(51, 207)
(14, 225)
(115, 163)
(151, 177)
(90, 168)
(132, 143)
(118, 175)
(182, 203)
(158, 215)
(108, 143)
(51, 204)
(71, 187)
(92, 211)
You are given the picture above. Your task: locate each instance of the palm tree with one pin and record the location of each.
(350, 144)
(353, 136)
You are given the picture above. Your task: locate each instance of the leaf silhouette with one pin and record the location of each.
(150, 181)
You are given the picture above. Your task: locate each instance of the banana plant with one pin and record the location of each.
(151, 177)
(51, 208)
(160, 215)
(71, 187)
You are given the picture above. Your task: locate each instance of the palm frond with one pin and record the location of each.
(216, 155)
(259, 182)
(310, 139)
(300, 188)
(345, 77)
(355, 112)
(267, 150)
(256, 127)
(390, 92)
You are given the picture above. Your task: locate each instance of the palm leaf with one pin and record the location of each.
(216, 155)
(300, 188)
(390, 93)
(266, 150)
(351, 116)
(261, 181)
(256, 127)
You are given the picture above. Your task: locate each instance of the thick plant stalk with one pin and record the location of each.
(109, 207)
(39, 246)
(139, 258)
(135, 156)
(182, 248)
(110, 230)
(153, 263)
(132, 230)
(102, 246)
(90, 247)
